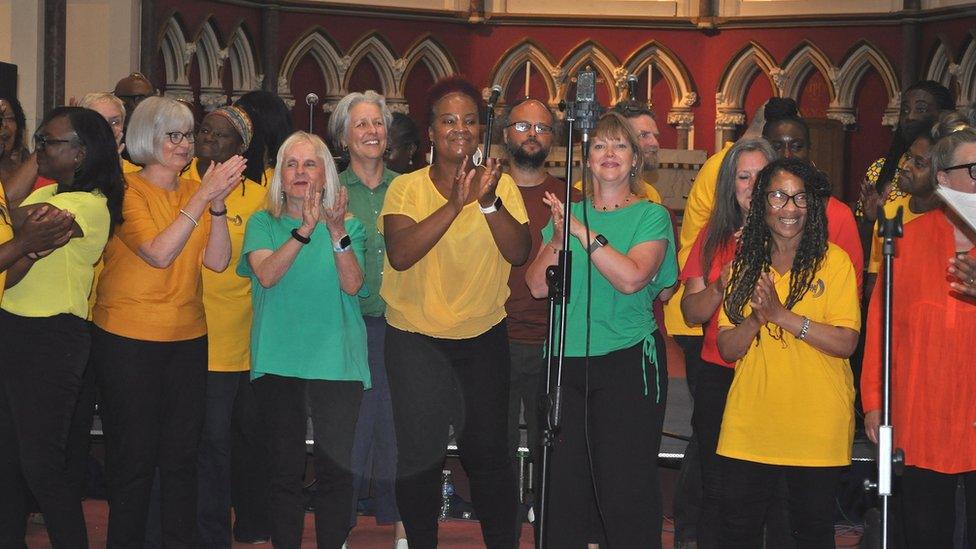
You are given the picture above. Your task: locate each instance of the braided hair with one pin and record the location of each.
(754, 253)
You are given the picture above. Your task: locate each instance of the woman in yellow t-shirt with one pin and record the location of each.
(452, 234)
(149, 344)
(790, 321)
(44, 330)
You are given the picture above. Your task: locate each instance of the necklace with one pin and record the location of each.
(617, 206)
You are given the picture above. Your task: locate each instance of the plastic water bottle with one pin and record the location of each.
(447, 492)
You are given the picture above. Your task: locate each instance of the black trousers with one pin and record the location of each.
(152, 406)
(926, 507)
(711, 392)
(434, 383)
(604, 483)
(284, 403)
(41, 371)
(749, 492)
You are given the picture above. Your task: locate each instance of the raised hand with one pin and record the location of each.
(222, 178)
(463, 185)
(45, 229)
(871, 199)
(765, 301)
(311, 206)
(558, 212)
(487, 182)
(335, 217)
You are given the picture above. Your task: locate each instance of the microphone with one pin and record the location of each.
(632, 87)
(496, 92)
(587, 110)
(311, 99)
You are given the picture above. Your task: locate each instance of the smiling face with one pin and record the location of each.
(748, 165)
(217, 140)
(611, 160)
(366, 136)
(176, 156)
(915, 174)
(454, 128)
(301, 171)
(647, 133)
(960, 179)
(62, 154)
(785, 222)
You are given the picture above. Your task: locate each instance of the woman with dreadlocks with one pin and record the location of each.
(790, 321)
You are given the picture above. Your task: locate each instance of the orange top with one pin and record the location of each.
(933, 380)
(136, 300)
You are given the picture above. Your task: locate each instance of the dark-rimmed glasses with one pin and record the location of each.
(42, 141)
(971, 167)
(177, 137)
(779, 199)
(523, 126)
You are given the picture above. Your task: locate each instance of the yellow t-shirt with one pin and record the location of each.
(650, 192)
(136, 300)
(61, 281)
(458, 290)
(129, 167)
(789, 403)
(227, 295)
(890, 207)
(698, 208)
(6, 232)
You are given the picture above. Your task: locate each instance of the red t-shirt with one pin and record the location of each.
(527, 316)
(694, 268)
(842, 231)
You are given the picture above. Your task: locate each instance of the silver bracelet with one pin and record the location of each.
(190, 217)
(804, 328)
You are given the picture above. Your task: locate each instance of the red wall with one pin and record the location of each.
(477, 48)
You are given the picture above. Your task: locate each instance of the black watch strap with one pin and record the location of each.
(297, 236)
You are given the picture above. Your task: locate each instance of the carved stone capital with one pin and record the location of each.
(211, 98)
(729, 120)
(179, 93)
(689, 99)
(681, 119)
(842, 115)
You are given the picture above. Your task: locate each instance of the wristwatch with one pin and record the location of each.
(342, 245)
(493, 208)
(598, 242)
(297, 236)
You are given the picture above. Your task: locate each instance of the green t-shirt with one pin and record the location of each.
(366, 204)
(617, 321)
(305, 326)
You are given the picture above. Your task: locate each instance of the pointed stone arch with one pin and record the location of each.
(177, 54)
(245, 74)
(683, 92)
(861, 58)
(433, 55)
(965, 73)
(374, 48)
(942, 66)
(516, 57)
(323, 50)
(603, 62)
(733, 85)
(210, 60)
(801, 63)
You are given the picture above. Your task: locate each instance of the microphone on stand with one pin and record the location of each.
(496, 92)
(311, 100)
(632, 87)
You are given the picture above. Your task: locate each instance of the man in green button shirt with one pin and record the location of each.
(359, 127)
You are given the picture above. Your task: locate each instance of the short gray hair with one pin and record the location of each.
(339, 121)
(276, 198)
(102, 97)
(150, 122)
(945, 148)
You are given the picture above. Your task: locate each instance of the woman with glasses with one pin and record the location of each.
(452, 233)
(605, 486)
(933, 383)
(149, 343)
(44, 329)
(789, 321)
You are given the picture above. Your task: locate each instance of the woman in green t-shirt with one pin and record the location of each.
(614, 376)
(308, 340)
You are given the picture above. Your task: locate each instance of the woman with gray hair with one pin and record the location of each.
(359, 126)
(149, 342)
(308, 340)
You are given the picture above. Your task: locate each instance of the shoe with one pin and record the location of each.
(253, 541)
(401, 544)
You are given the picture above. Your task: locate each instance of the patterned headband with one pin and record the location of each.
(239, 119)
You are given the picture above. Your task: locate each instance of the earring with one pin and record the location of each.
(633, 172)
(478, 157)
(430, 157)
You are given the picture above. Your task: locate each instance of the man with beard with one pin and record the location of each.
(921, 105)
(641, 120)
(529, 130)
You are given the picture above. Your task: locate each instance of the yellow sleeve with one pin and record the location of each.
(842, 308)
(512, 198)
(400, 200)
(651, 194)
(701, 199)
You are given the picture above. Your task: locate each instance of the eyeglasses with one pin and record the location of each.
(522, 126)
(177, 137)
(42, 141)
(971, 167)
(778, 199)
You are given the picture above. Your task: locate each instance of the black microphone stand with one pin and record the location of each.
(489, 122)
(890, 460)
(584, 110)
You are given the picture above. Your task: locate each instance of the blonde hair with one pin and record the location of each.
(276, 197)
(613, 125)
(102, 97)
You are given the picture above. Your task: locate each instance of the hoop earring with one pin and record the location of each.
(478, 157)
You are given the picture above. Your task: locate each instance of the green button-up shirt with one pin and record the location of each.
(366, 204)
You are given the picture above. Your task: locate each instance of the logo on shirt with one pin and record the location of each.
(817, 287)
